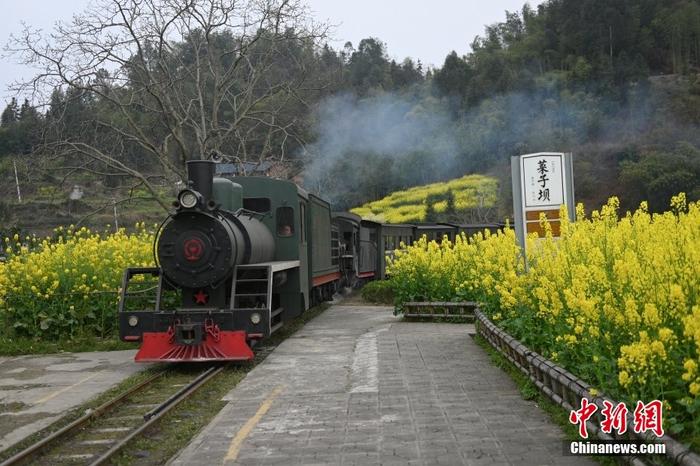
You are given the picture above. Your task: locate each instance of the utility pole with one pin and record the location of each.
(611, 47)
(19, 194)
(116, 220)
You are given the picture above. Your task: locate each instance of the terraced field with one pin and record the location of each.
(415, 204)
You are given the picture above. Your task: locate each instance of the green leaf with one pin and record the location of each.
(676, 428)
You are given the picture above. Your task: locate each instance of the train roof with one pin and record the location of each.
(481, 225)
(269, 181)
(371, 222)
(347, 216)
(434, 226)
(317, 199)
(419, 226)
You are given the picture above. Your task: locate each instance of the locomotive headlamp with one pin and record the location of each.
(187, 198)
(255, 318)
(133, 321)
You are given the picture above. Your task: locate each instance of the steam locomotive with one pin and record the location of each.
(245, 255)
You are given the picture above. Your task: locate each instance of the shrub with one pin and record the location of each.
(67, 287)
(380, 291)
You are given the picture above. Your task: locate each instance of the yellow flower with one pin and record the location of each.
(650, 315)
(694, 388)
(624, 378)
(691, 369)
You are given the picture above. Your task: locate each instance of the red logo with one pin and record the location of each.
(194, 247)
(646, 417)
(580, 416)
(615, 417)
(201, 297)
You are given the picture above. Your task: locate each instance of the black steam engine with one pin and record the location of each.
(198, 249)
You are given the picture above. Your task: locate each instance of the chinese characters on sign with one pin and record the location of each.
(543, 194)
(647, 417)
(543, 180)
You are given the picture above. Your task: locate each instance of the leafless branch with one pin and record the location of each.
(172, 80)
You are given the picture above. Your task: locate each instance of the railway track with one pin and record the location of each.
(103, 432)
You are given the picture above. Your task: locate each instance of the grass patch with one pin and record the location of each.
(379, 291)
(18, 346)
(11, 407)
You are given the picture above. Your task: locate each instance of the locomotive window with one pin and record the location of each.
(302, 222)
(257, 204)
(285, 221)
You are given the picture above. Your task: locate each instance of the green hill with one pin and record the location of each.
(453, 200)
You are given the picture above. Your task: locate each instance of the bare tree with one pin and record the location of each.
(176, 79)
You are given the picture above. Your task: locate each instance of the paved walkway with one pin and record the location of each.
(358, 386)
(37, 390)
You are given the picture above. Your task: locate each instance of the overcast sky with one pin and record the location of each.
(424, 30)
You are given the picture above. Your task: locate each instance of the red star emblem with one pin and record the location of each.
(201, 297)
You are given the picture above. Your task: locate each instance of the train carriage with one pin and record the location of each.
(471, 229)
(391, 237)
(348, 234)
(435, 231)
(369, 256)
(325, 269)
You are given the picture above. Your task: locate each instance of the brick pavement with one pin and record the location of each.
(358, 386)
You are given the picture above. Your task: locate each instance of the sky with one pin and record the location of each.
(420, 29)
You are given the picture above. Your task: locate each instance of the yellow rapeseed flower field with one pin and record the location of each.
(68, 285)
(410, 205)
(615, 300)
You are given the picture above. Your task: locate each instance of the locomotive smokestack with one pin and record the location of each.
(200, 173)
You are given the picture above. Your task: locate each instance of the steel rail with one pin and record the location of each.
(161, 411)
(81, 421)
(174, 398)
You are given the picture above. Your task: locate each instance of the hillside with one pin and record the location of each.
(47, 203)
(469, 198)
